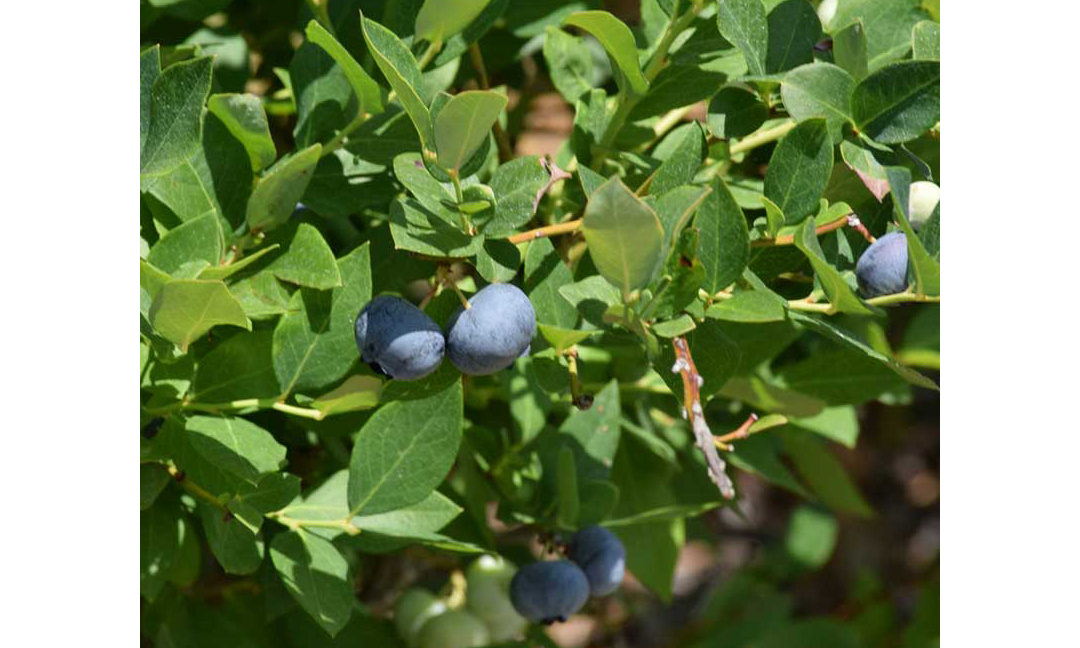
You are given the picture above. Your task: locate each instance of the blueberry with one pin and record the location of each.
(487, 595)
(549, 591)
(453, 629)
(412, 610)
(882, 268)
(493, 332)
(398, 339)
(602, 557)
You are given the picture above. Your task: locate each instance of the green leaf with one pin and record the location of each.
(793, 29)
(159, 546)
(840, 376)
(198, 239)
(899, 102)
(149, 71)
(152, 480)
(735, 112)
(236, 548)
(416, 521)
(618, 42)
(404, 451)
(724, 238)
(367, 91)
(566, 489)
(850, 50)
(749, 306)
(438, 20)
(675, 208)
(518, 186)
(261, 295)
(743, 23)
(926, 41)
(799, 170)
(275, 195)
(598, 499)
(591, 296)
(593, 435)
(184, 309)
(356, 393)
(174, 127)
(838, 424)
(402, 73)
(418, 228)
(562, 339)
(861, 160)
(652, 548)
(464, 123)
(682, 165)
(410, 171)
(811, 537)
(273, 493)
(498, 261)
(529, 402)
(569, 62)
(888, 26)
(216, 178)
(825, 474)
(225, 271)
(545, 274)
(308, 262)
(314, 342)
(849, 339)
(774, 217)
(819, 90)
(678, 326)
(316, 575)
(325, 101)
(624, 236)
(236, 445)
(927, 271)
(836, 289)
(245, 118)
(759, 454)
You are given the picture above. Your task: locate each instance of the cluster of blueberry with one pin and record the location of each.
(883, 267)
(399, 340)
(426, 621)
(552, 590)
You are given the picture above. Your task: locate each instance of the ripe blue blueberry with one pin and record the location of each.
(398, 339)
(602, 557)
(493, 332)
(549, 591)
(882, 268)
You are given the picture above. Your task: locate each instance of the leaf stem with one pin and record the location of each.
(548, 230)
(237, 405)
(433, 48)
(625, 101)
(740, 432)
(345, 525)
(760, 138)
(194, 489)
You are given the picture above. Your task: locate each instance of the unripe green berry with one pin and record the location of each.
(923, 197)
(414, 608)
(453, 629)
(488, 597)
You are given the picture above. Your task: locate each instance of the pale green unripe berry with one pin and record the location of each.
(488, 597)
(826, 11)
(414, 608)
(922, 199)
(453, 629)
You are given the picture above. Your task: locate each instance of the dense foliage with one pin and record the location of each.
(699, 320)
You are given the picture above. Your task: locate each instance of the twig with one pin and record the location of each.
(502, 140)
(555, 174)
(578, 396)
(856, 224)
(740, 432)
(195, 489)
(549, 230)
(789, 239)
(703, 438)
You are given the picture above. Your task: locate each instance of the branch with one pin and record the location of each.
(703, 438)
(549, 230)
(242, 404)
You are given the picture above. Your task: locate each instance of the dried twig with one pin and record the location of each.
(703, 438)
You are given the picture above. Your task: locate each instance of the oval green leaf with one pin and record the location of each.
(624, 236)
(464, 123)
(618, 41)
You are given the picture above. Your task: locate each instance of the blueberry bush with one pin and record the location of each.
(391, 359)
